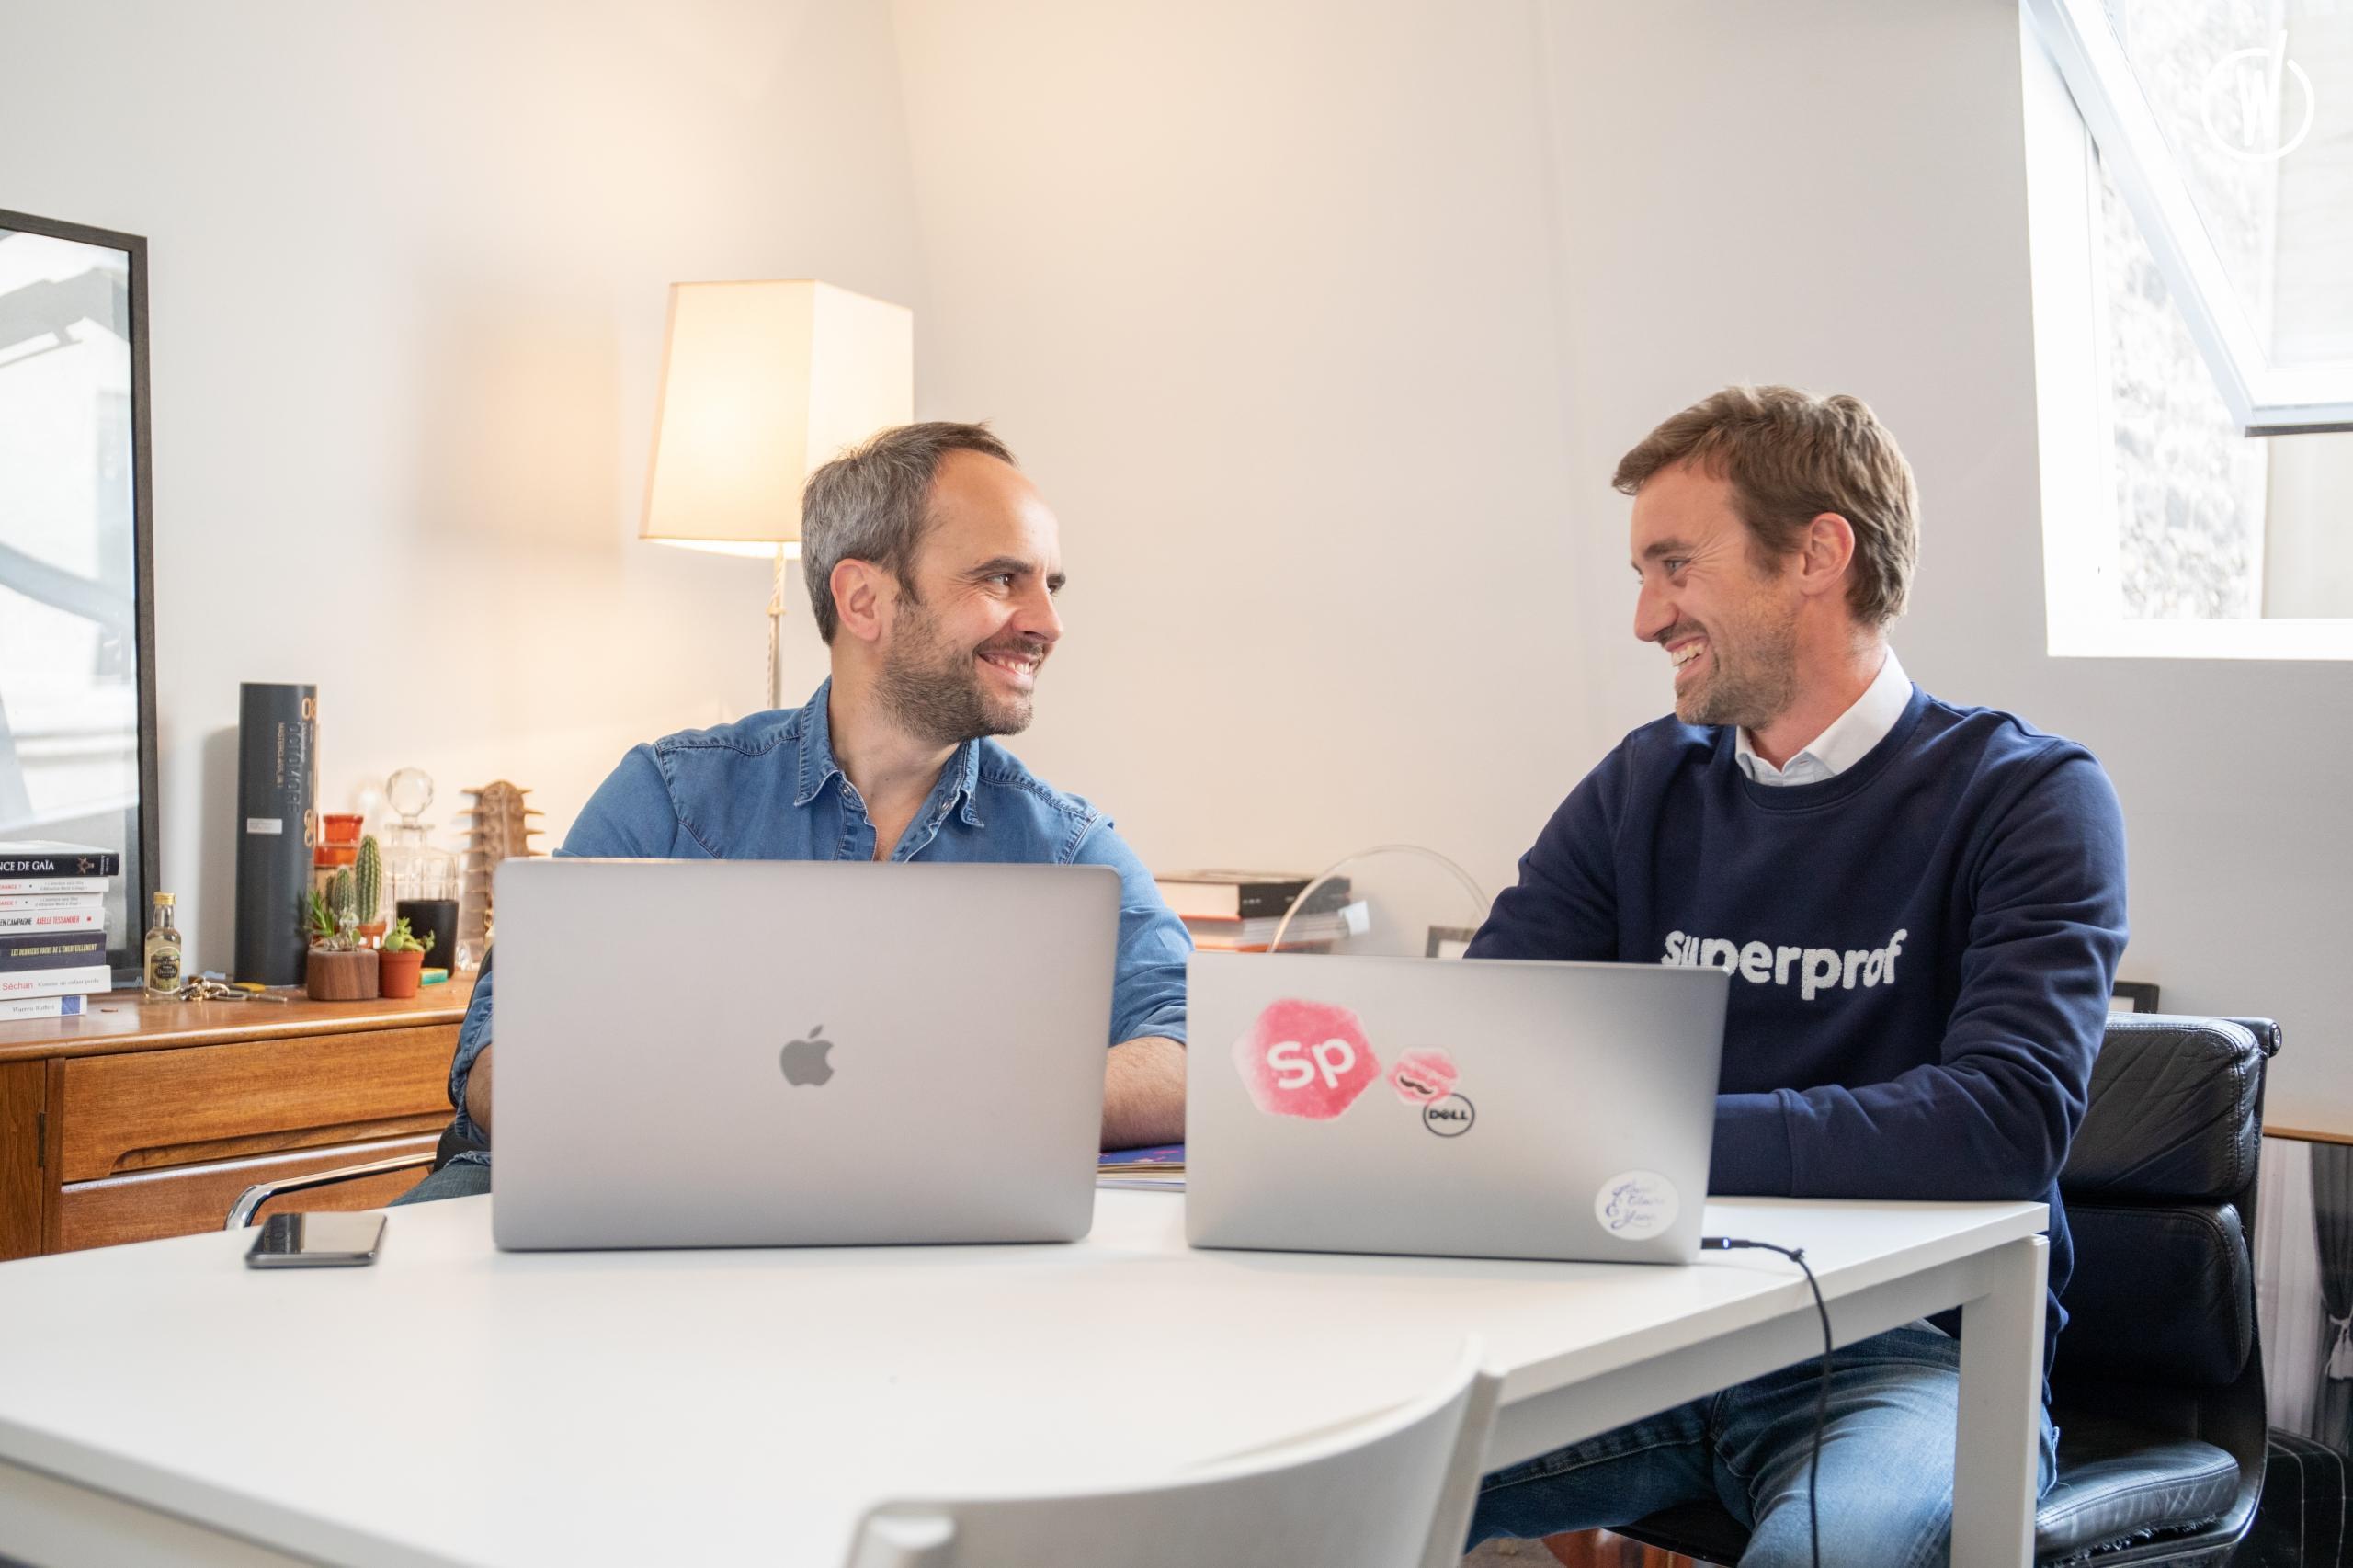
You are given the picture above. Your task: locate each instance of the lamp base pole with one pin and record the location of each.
(776, 632)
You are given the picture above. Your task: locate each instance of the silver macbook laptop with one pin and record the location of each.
(779, 1054)
(1471, 1108)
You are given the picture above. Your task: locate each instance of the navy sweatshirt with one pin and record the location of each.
(1922, 948)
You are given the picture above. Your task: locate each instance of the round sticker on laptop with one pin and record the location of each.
(1634, 1206)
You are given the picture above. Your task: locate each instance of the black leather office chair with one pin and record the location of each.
(2158, 1386)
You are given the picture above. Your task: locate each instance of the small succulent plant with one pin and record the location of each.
(318, 920)
(401, 939)
(329, 916)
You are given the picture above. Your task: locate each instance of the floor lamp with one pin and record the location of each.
(762, 382)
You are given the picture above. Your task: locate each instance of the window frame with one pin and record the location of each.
(2266, 399)
(2083, 591)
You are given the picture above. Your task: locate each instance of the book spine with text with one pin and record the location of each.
(17, 1008)
(85, 981)
(43, 868)
(19, 922)
(1204, 900)
(69, 949)
(68, 903)
(49, 887)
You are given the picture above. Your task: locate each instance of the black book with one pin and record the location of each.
(51, 950)
(25, 860)
(1245, 895)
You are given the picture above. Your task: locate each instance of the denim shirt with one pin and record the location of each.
(768, 788)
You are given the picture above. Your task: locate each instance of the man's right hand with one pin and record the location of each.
(478, 1090)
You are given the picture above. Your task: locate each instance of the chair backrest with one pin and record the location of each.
(2159, 1189)
(1394, 1491)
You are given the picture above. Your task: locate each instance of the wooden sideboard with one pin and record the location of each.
(145, 1118)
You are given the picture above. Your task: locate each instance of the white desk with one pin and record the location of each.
(455, 1405)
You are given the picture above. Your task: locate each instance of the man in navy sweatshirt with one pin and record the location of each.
(1921, 907)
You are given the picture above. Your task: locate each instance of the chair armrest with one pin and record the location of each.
(241, 1214)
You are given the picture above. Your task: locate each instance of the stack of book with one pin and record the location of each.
(52, 928)
(1238, 912)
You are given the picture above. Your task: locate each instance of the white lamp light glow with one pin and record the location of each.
(762, 382)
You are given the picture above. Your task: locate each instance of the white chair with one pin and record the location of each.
(1393, 1491)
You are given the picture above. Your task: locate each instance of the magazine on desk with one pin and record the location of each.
(1157, 1169)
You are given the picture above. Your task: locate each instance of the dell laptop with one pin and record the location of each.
(1466, 1108)
(784, 1053)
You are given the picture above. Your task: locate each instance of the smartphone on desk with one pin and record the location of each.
(317, 1240)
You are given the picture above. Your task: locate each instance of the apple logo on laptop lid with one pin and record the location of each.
(803, 1060)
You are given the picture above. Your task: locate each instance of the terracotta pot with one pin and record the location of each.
(341, 977)
(397, 973)
(374, 932)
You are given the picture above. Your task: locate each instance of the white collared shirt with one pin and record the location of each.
(1845, 743)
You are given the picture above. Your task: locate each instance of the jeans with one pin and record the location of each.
(1887, 1451)
(464, 1179)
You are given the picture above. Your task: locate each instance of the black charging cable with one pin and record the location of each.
(1822, 1393)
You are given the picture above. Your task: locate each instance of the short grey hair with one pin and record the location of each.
(873, 504)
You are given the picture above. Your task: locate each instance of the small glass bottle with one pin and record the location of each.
(163, 964)
(420, 881)
(414, 868)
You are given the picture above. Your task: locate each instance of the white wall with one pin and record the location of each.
(1265, 298)
(2308, 550)
(409, 262)
(1324, 325)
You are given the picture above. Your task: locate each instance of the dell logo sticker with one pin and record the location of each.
(1450, 1117)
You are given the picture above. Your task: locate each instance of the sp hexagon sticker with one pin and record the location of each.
(1305, 1058)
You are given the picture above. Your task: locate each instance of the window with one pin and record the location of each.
(2191, 175)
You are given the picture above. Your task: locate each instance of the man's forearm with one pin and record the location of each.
(478, 1091)
(1999, 1130)
(1143, 1093)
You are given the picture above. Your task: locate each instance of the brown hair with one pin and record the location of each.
(874, 502)
(1790, 457)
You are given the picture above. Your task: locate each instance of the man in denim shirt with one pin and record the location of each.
(932, 565)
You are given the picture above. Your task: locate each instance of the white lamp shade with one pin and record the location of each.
(762, 382)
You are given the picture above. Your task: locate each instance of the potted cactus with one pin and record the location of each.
(400, 962)
(367, 890)
(340, 967)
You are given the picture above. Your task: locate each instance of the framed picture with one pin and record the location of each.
(2134, 996)
(1449, 941)
(77, 560)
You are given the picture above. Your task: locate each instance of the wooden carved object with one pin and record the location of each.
(499, 826)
